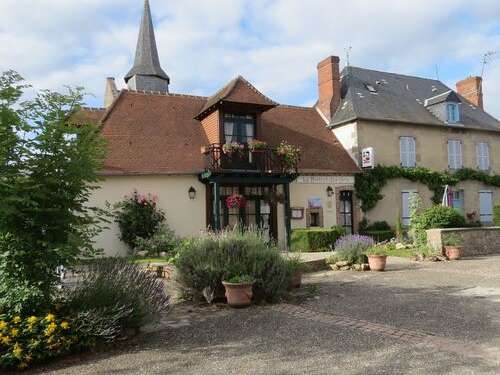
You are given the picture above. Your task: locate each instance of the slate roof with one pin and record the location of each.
(150, 133)
(449, 96)
(147, 62)
(399, 98)
(238, 90)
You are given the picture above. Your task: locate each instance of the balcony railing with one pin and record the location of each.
(265, 161)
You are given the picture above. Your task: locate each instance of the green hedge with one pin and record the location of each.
(315, 239)
(380, 235)
(496, 213)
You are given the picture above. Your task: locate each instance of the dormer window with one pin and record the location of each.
(238, 128)
(452, 113)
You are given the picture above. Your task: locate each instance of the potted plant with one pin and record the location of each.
(452, 246)
(254, 145)
(239, 290)
(377, 257)
(232, 148)
(290, 155)
(298, 268)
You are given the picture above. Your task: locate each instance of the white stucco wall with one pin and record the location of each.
(347, 135)
(186, 217)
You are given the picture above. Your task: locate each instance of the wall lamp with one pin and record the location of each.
(192, 193)
(329, 191)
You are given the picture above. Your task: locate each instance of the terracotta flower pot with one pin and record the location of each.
(452, 252)
(238, 294)
(377, 262)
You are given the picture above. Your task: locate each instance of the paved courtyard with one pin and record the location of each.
(416, 318)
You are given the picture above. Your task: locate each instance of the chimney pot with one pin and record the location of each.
(329, 86)
(471, 89)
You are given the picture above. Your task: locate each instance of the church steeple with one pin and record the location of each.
(147, 74)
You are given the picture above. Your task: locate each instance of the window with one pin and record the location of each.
(452, 114)
(483, 156)
(238, 128)
(407, 151)
(486, 206)
(458, 201)
(454, 154)
(405, 207)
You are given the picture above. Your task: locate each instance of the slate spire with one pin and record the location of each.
(147, 74)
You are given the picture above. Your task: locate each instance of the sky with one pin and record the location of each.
(275, 44)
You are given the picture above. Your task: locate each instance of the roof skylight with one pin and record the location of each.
(370, 87)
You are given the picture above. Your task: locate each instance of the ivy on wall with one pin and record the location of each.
(369, 183)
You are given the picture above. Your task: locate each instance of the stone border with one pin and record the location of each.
(475, 241)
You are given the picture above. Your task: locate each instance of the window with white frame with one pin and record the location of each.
(407, 152)
(483, 156)
(452, 113)
(454, 154)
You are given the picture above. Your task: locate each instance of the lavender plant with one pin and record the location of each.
(351, 248)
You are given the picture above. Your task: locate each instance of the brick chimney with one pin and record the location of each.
(472, 89)
(329, 86)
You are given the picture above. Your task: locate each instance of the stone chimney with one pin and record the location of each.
(111, 92)
(328, 86)
(471, 89)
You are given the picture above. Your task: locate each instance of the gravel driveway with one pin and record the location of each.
(416, 318)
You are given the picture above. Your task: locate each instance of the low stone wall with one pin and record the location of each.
(475, 241)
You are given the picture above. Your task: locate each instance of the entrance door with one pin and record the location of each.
(486, 206)
(346, 211)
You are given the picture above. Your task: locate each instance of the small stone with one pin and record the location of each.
(334, 267)
(400, 246)
(342, 263)
(365, 267)
(345, 268)
(442, 258)
(141, 253)
(163, 254)
(414, 258)
(432, 258)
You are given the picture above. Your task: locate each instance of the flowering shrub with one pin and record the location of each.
(236, 201)
(351, 248)
(289, 153)
(255, 144)
(25, 340)
(232, 148)
(138, 216)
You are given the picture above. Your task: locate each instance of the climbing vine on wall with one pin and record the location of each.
(369, 183)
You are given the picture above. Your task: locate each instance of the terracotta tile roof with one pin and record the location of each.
(238, 90)
(157, 134)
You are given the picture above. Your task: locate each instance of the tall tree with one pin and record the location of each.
(48, 170)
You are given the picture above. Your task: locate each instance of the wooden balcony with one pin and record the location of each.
(262, 161)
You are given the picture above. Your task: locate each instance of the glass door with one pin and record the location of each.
(346, 211)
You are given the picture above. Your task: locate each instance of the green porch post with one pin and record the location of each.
(288, 224)
(216, 207)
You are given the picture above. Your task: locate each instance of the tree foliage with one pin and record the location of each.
(48, 170)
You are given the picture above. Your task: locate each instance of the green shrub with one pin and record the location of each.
(315, 239)
(163, 241)
(434, 217)
(496, 213)
(380, 235)
(138, 215)
(206, 260)
(111, 286)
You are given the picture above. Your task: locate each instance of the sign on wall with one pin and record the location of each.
(368, 158)
(315, 202)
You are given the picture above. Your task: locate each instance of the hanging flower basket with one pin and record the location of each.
(256, 145)
(236, 201)
(232, 148)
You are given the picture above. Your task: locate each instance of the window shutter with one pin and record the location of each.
(411, 152)
(483, 156)
(454, 154)
(458, 145)
(402, 150)
(451, 155)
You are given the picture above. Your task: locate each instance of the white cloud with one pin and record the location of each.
(276, 44)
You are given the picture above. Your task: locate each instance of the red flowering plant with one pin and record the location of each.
(138, 216)
(236, 201)
(290, 154)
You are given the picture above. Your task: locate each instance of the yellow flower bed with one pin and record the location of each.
(24, 340)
